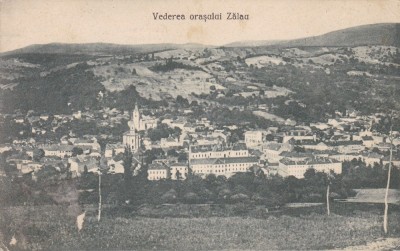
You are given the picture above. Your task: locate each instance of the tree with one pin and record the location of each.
(85, 170)
(178, 175)
(38, 154)
(127, 163)
(309, 174)
(77, 151)
(172, 153)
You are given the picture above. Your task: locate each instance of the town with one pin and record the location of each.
(199, 146)
(261, 145)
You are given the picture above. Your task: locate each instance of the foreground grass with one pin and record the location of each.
(50, 227)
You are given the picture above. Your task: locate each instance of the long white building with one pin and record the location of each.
(222, 166)
(220, 160)
(297, 169)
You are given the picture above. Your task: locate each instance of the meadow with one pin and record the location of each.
(53, 228)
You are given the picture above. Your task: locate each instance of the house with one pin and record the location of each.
(170, 142)
(272, 150)
(114, 149)
(297, 133)
(179, 171)
(347, 146)
(77, 115)
(340, 137)
(58, 150)
(19, 120)
(297, 169)
(271, 169)
(189, 128)
(368, 141)
(313, 145)
(204, 140)
(79, 164)
(395, 160)
(384, 147)
(44, 117)
(92, 143)
(370, 158)
(254, 138)
(5, 148)
(320, 126)
(30, 167)
(158, 171)
(296, 156)
(116, 164)
(344, 157)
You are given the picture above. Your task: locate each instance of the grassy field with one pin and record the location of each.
(51, 227)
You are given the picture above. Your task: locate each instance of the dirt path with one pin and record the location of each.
(380, 244)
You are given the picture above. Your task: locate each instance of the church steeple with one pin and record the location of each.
(136, 117)
(132, 138)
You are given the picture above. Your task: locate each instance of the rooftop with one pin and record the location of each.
(216, 161)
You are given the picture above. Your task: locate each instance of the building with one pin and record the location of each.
(218, 151)
(273, 150)
(254, 138)
(131, 138)
(170, 142)
(61, 151)
(116, 164)
(179, 171)
(114, 149)
(222, 166)
(158, 171)
(220, 159)
(79, 164)
(92, 143)
(297, 169)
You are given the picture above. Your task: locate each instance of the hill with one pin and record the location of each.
(387, 34)
(375, 34)
(98, 48)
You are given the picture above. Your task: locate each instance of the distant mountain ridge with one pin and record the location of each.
(99, 48)
(372, 34)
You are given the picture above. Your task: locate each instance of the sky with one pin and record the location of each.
(25, 22)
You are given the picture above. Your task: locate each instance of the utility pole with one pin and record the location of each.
(99, 213)
(385, 215)
(328, 210)
(101, 167)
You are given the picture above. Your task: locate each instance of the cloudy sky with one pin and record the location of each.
(25, 22)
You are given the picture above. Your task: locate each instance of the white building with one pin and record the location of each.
(217, 151)
(92, 143)
(222, 166)
(114, 149)
(58, 150)
(79, 163)
(272, 150)
(254, 138)
(298, 168)
(170, 142)
(179, 170)
(158, 171)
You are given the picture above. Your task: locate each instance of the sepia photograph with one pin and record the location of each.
(199, 125)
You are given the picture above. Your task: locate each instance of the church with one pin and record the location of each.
(131, 138)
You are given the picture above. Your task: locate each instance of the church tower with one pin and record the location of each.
(136, 118)
(132, 137)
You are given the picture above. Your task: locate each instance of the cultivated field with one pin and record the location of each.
(50, 227)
